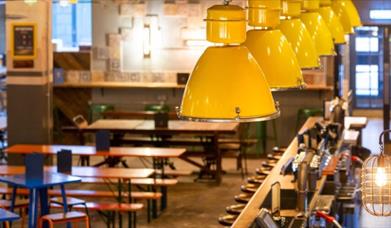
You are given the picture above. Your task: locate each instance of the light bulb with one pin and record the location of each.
(381, 177)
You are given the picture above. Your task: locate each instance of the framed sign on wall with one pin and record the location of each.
(23, 41)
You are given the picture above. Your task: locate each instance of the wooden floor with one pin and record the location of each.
(194, 204)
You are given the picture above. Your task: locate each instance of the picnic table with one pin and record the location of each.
(14, 175)
(112, 157)
(38, 190)
(212, 131)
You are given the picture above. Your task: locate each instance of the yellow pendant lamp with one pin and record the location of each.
(317, 27)
(348, 14)
(297, 35)
(270, 47)
(227, 84)
(332, 21)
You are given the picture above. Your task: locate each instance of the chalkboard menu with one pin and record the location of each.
(24, 41)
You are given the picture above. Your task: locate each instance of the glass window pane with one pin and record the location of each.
(367, 44)
(72, 26)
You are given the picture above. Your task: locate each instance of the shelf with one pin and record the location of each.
(149, 85)
(119, 85)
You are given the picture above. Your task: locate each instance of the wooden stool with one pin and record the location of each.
(73, 216)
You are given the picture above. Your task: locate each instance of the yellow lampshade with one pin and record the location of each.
(301, 42)
(310, 5)
(227, 84)
(264, 13)
(291, 8)
(270, 48)
(348, 15)
(333, 23)
(325, 2)
(226, 24)
(320, 33)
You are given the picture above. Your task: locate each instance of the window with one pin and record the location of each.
(367, 67)
(72, 26)
(380, 14)
(367, 80)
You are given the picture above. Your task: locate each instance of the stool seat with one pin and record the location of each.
(68, 217)
(64, 217)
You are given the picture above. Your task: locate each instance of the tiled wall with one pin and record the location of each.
(176, 28)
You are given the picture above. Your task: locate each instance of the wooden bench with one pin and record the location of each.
(89, 193)
(149, 182)
(110, 207)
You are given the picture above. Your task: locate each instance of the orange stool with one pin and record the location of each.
(72, 216)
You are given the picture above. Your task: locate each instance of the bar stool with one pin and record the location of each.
(249, 188)
(71, 202)
(235, 209)
(227, 220)
(243, 198)
(69, 217)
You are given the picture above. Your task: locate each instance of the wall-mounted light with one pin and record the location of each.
(151, 36)
(30, 2)
(147, 41)
(380, 14)
(376, 182)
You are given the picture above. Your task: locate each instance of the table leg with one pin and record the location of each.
(130, 219)
(43, 195)
(13, 198)
(119, 201)
(33, 208)
(218, 157)
(64, 201)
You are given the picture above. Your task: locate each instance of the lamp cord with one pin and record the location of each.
(381, 143)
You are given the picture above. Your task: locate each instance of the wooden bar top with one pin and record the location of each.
(91, 151)
(115, 173)
(251, 210)
(174, 126)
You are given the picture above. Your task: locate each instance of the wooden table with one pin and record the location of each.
(38, 190)
(122, 174)
(175, 127)
(91, 151)
(159, 155)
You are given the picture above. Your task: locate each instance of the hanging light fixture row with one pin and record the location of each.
(269, 46)
(227, 84)
(231, 81)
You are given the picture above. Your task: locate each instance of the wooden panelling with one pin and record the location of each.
(72, 102)
(72, 60)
